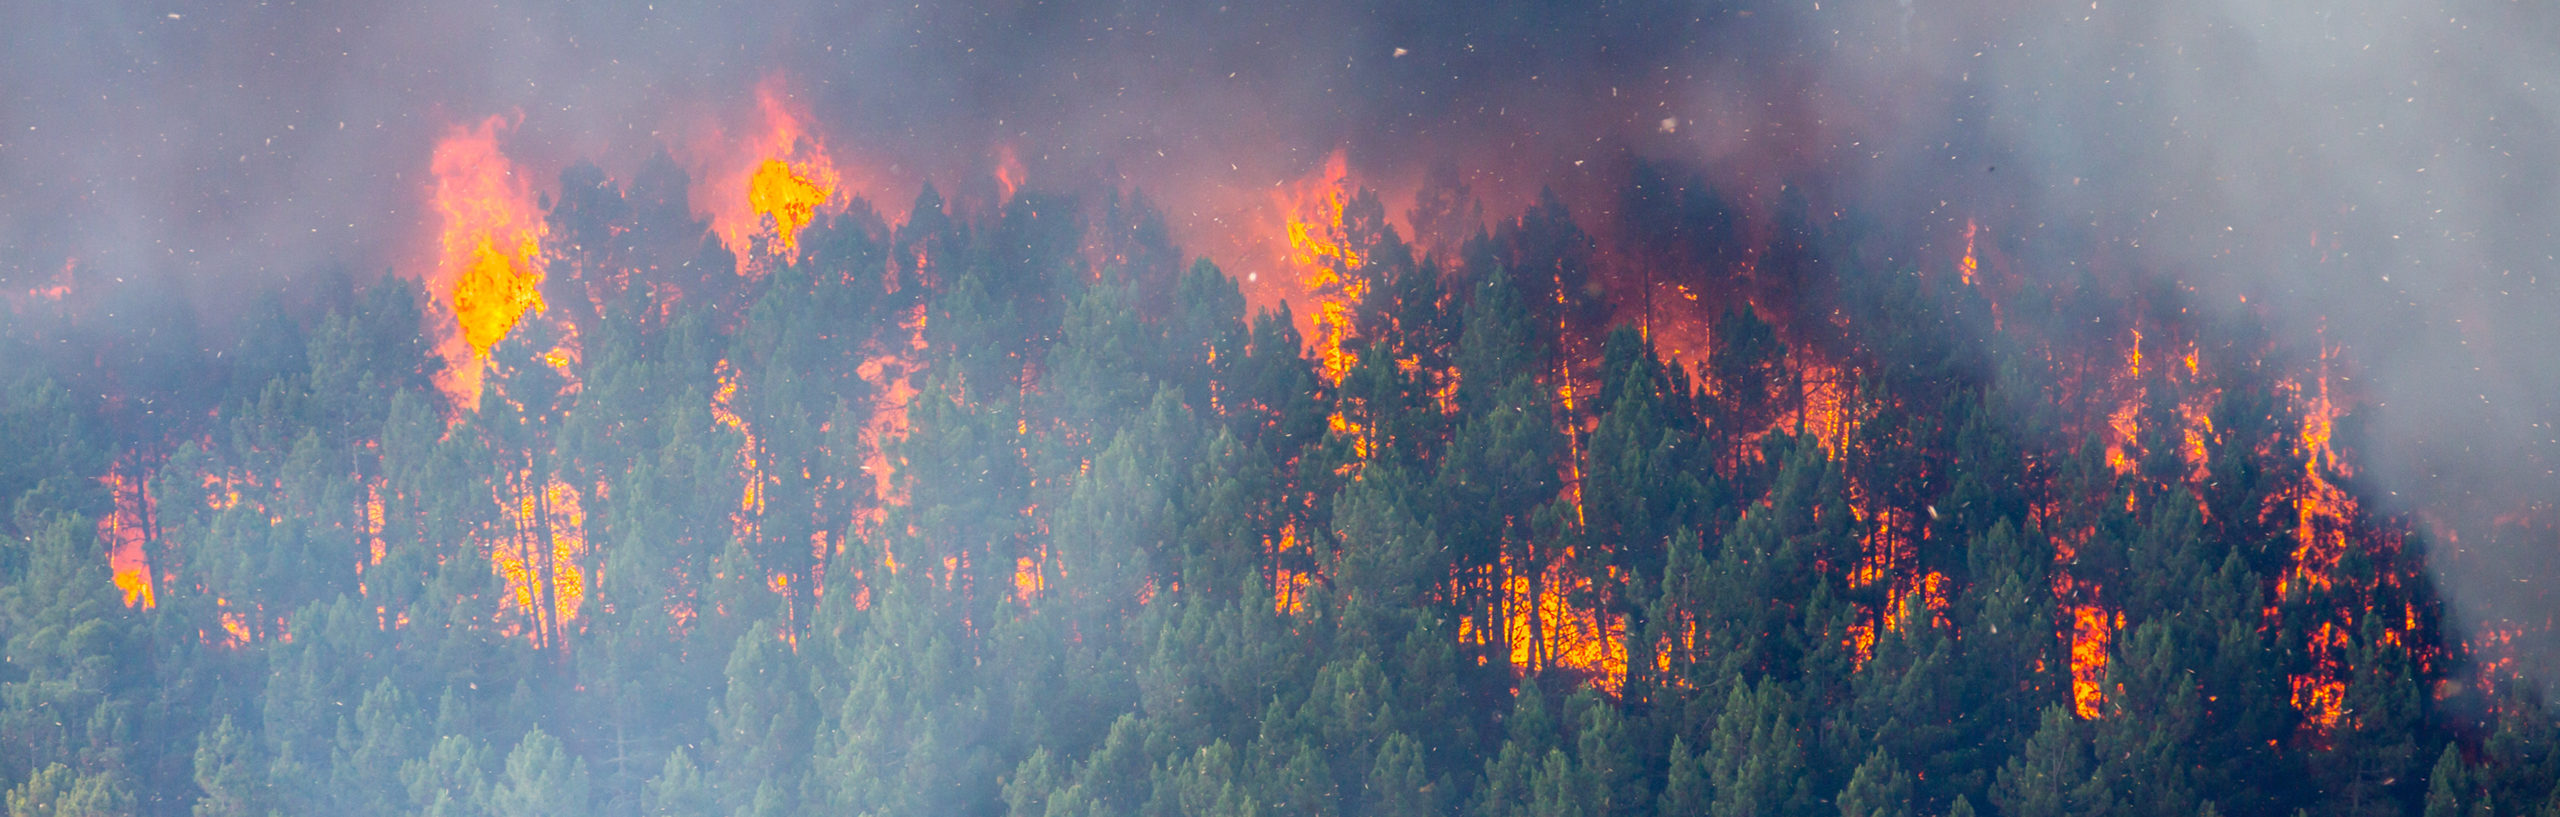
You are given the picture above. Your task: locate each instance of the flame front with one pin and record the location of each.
(489, 269)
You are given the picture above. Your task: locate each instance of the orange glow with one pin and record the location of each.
(529, 548)
(891, 376)
(2321, 695)
(222, 491)
(1827, 410)
(123, 531)
(2494, 651)
(2195, 415)
(2092, 630)
(743, 522)
(1546, 630)
(235, 627)
(1008, 171)
(53, 292)
(2124, 425)
(1288, 585)
(781, 171)
(1028, 582)
(1931, 588)
(1861, 643)
(1321, 255)
(488, 270)
(373, 521)
(2322, 511)
(790, 196)
(1967, 267)
(2324, 514)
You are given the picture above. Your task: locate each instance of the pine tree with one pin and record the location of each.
(541, 780)
(1878, 788)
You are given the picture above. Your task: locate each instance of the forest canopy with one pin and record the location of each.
(1010, 507)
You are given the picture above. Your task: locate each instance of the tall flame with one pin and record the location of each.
(1321, 255)
(2092, 630)
(487, 270)
(2322, 514)
(781, 172)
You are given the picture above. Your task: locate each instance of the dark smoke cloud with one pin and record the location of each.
(2376, 176)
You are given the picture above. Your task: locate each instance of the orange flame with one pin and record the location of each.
(782, 173)
(2092, 629)
(123, 531)
(891, 375)
(1546, 630)
(2323, 510)
(521, 557)
(743, 523)
(1008, 171)
(488, 266)
(1288, 584)
(235, 627)
(1321, 255)
(2322, 696)
(2124, 425)
(1969, 265)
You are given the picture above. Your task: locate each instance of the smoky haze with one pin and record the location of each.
(2377, 177)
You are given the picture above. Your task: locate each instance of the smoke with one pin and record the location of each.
(2377, 177)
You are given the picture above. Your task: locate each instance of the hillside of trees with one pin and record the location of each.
(1019, 511)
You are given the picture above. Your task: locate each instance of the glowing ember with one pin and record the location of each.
(488, 268)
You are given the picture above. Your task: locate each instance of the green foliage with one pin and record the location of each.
(1007, 510)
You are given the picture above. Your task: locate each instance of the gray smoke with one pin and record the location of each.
(2378, 177)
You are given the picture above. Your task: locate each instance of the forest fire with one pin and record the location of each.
(1473, 522)
(125, 531)
(778, 173)
(540, 556)
(1328, 267)
(2092, 635)
(751, 499)
(489, 267)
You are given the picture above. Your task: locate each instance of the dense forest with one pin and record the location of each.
(1015, 508)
